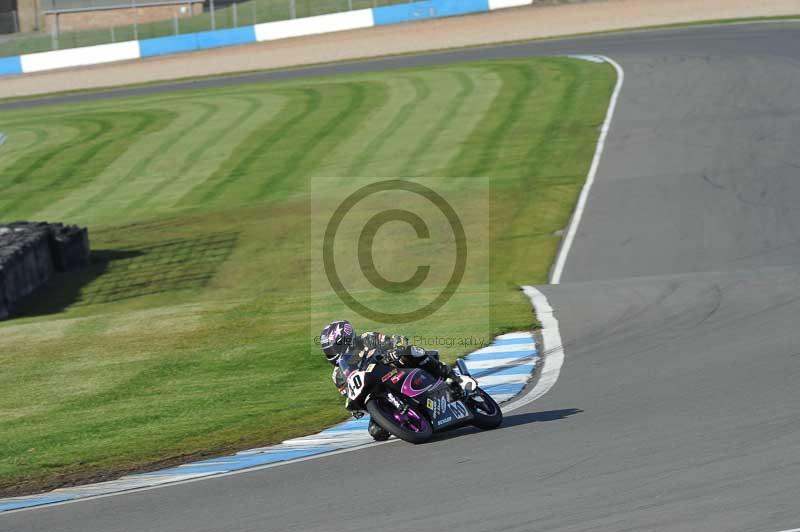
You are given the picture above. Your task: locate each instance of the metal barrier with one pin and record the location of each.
(268, 31)
(76, 23)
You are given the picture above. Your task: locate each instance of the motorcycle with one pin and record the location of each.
(412, 404)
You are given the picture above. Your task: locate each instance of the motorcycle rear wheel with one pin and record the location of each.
(412, 426)
(487, 412)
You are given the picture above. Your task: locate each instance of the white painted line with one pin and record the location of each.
(553, 347)
(335, 435)
(558, 269)
(323, 441)
(506, 348)
(791, 530)
(202, 464)
(514, 336)
(497, 363)
(491, 380)
(590, 58)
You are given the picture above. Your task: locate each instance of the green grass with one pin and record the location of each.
(191, 332)
(247, 14)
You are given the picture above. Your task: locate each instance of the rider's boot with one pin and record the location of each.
(377, 432)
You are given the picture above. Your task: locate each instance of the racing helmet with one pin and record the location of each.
(336, 338)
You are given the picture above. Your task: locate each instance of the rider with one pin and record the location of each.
(339, 338)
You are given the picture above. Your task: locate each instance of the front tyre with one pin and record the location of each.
(410, 426)
(485, 409)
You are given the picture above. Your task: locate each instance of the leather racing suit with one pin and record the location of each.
(397, 352)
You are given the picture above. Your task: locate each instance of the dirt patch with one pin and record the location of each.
(538, 21)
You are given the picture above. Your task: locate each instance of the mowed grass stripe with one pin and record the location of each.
(52, 175)
(546, 149)
(18, 141)
(132, 156)
(391, 156)
(17, 147)
(467, 87)
(151, 162)
(421, 92)
(324, 135)
(330, 114)
(300, 104)
(397, 93)
(128, 189)
(30, 174)
(191, 332)
(518, 81)
(450, 136)
(202, 158)
(24, 171)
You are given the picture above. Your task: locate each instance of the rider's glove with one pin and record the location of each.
(416, 352)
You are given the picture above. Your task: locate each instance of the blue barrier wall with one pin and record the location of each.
(403, 13)
(216, 39)
(449, 8)
(10, 65)
(427, 9)
(167, 45)
(196, 41)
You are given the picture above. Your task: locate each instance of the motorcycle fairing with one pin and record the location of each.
(418, 382)
(444, 411)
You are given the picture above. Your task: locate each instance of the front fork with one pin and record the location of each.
(461, 367)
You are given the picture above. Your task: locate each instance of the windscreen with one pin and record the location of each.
(348, 362)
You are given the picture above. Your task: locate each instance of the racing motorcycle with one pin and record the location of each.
(412, 404)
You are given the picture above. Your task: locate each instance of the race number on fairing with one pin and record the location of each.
(355, 383)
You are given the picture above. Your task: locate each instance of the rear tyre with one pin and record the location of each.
(412, 426)
(485, 409)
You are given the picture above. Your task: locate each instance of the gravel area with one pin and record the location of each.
(538, 21)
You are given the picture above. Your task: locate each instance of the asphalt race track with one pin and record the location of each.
(677, 407)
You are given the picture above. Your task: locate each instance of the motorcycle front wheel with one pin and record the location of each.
(485, 409)
(410, 426)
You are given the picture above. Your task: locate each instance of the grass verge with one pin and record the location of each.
(190, 332)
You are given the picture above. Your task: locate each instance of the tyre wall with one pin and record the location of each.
(30, 252)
